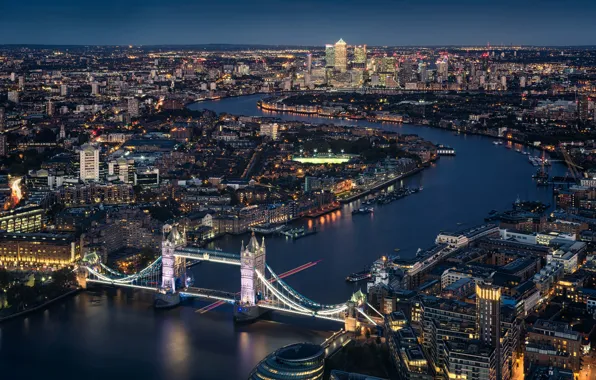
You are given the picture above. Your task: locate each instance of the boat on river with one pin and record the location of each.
(297, 233)
(363, 210)
(359, 276)
(266, 228)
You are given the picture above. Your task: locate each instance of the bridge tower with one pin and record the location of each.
(252, 259)
(172, 239)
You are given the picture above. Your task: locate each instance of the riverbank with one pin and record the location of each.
(390, 118)
(380, 186)
(39, 307)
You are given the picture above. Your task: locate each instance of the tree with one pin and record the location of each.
(64, 277)
(5, 278)
(147, 256)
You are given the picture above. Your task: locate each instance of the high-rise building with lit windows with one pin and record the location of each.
(360, 56)
(341, 55)
(488, 318)
(329, 55)
(89, 163)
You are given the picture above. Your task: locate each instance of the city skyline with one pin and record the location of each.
(427, 23)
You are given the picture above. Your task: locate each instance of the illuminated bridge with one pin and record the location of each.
(261, 289)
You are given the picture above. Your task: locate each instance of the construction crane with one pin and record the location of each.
(573, 168)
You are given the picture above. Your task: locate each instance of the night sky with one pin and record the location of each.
(299, 22)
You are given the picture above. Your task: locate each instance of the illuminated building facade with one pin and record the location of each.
(469, 360)
(22, 220)
(360, 56)
(298, 361)
(95, 193)
(38, 250)
(89, 163)
(329, 55)
(553, 344)
(341, 56)
(269, 129)
(488, 318)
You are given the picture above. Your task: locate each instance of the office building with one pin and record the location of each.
(442, 69)
(360, 56)
(38, 250)
(63, 90)
(309, 63)
(94, 88)
(341, 56)
(21, 82)
(329, 56)
(299, 361)
(89, 163)
(146, 177)
(123, 169)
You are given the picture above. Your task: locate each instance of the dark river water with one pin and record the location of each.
(115, 334)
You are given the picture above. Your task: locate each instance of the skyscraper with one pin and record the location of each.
(360, 56)
(329, 55)
(341, 55)
(442, 69)
(89, 163)
(488, 318)
(309, 63)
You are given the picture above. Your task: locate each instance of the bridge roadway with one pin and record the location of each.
(208, 255)
(210, 294)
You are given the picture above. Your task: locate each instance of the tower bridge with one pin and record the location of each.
(261, 289)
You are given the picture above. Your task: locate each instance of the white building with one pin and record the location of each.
(269, 130)
(89, 163)
(13, 96)
(133, 107)
(548, 276)
(567, 258)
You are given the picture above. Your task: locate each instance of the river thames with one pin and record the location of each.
(116, 334)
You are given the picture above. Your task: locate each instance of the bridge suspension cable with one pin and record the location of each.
(288, 302)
